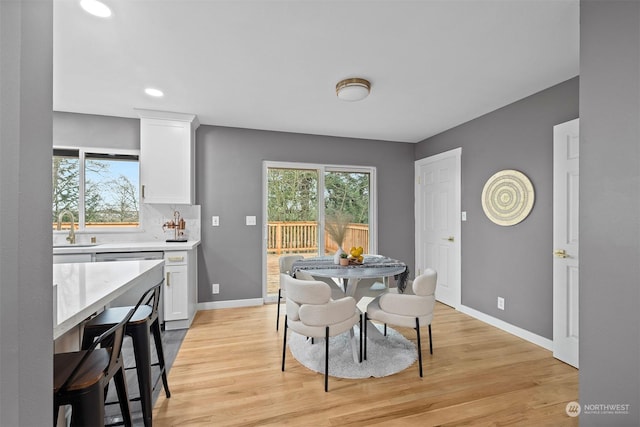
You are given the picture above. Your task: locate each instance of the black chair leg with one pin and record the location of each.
(385, 329)
(278, 315)
(89, 410)
(430, 342)
(56, 411)
(419, 346)
(123, 396)
(361, 316)
(142, 353)
(284, 342)
(365, 335)
(326, 359)
(157, 338)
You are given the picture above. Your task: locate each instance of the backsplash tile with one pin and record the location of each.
(153, 216)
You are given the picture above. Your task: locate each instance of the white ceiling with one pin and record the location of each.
(273, 65)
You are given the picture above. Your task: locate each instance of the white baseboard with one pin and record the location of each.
(508, 327)
(213, 305)
(172, 325)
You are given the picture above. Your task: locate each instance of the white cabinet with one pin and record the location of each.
(180, 289)
(167, 157)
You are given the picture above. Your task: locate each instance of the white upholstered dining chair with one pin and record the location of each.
(286, 262)
(312, 313)
(336, 291)
(411, 309)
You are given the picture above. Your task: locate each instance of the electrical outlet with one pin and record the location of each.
(215, 288)
(500, 303)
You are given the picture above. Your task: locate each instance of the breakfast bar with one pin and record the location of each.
(81, 289)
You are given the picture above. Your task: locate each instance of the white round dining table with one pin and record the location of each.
(373, 266)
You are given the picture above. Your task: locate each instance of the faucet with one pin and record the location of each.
(72, 233)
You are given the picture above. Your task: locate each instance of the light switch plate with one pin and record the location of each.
(251, 220)
(215, 221)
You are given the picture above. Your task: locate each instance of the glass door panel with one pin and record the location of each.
(292, 218)
(347, 204)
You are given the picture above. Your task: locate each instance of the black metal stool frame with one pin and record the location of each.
(88, 402)
(143, 323)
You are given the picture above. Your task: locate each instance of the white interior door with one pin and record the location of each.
(565, 241)
(437, 222)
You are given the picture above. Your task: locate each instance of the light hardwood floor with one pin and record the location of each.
(227, 373)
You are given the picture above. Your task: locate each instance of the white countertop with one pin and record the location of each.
(126, 247)
(80, 289)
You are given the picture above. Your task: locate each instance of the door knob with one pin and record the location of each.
(449, 239)
(560, 253)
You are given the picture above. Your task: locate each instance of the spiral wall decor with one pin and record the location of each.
(507, 197)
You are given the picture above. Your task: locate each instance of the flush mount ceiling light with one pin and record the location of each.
(156, 93)
(96, 8)
(354, 89)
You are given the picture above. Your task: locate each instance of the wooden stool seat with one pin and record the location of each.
(91, 373)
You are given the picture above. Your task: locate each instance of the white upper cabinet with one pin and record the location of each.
(167, 157)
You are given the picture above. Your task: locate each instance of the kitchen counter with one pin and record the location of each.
(81, 289)
(126, 247)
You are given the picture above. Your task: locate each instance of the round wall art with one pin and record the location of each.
(507, 197)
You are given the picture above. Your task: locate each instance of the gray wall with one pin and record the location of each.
(610, 209)
(87, 130)
(229, 184)
(513, 262)
(26, 299)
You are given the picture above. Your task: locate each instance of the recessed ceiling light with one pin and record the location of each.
(157, 93)
(96, 8)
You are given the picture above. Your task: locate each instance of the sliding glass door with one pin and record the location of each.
(302, 202)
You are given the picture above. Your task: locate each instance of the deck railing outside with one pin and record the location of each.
(302, 236)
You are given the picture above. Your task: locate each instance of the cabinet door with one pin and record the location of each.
(176, 292)
(166, 161)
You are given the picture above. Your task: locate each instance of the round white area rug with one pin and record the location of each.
(386, 356)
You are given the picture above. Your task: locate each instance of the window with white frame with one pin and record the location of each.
(99, 188)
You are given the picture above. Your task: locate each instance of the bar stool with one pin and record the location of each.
(143, 322)
(81, 377)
